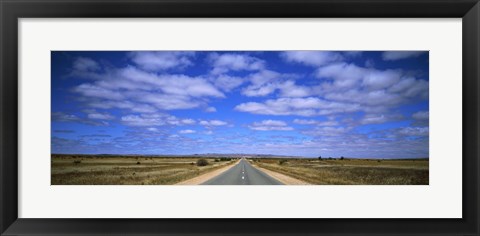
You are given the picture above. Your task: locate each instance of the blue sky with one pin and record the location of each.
(301, 103)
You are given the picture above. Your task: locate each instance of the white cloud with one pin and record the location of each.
(211, 109)
(187, 131)
(142, 120)
(94, 91)
(290, 89)
(212, 123)
(174, 84)
(64, 117)
(188, 121)
(100, 116)
(309, 106)
(311, 58)
(152, 129)
(378, 118)
(85, 64)
(316, 122)
(397, 55)
(268, 125)
(266, 82)
(223, 63)
(421, 115)
(377, 89)
(208, 132)
(414, 131)
(158, 61)
(347, 76)
(259, 91)
(227, 83)
(305, 122)
(140, 91)
(154, 120)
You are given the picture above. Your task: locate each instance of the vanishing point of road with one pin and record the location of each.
(243, 174)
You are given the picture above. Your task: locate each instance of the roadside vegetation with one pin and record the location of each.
(344, 171)
(129, 170)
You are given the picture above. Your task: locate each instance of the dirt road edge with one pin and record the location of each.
(285, 179)
(207, 176)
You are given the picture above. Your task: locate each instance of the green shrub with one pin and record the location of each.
(202, 162)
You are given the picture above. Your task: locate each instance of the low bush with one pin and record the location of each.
(202, 162)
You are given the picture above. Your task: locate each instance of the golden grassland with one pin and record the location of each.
(351, 171)
(127, 170)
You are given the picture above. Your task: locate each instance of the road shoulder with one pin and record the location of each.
(207, 176)
(285, 179)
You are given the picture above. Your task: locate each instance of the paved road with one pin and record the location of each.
(243, 174)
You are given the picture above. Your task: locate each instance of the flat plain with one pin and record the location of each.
(128, 170)
(169, 170)
(351, 171)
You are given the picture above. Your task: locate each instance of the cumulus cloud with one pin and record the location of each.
(152, 129)
(421, 118)
(311, 58)
(268, 125)
(140, 91)
(421, 115)
(211, 109)
(316, 122)
(187, 131)
(222, 63)
(266, 82)
(259, 91)
(64, 117)
(398, 55)
(154, 120)
(379, 118)
(347, 76)
(373, 89)
(227, 83)
(100, 116)
(213, 123)
(309, 106)
(85, 64)
(414, 131)
(163, 60)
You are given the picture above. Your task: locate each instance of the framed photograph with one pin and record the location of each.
(227, 117)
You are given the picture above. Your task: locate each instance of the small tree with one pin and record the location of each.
(202, 162)
(319, 157)
(341, 158)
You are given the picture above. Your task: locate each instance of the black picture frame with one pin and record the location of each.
(11, 11)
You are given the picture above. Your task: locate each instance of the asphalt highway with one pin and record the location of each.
(243, 174)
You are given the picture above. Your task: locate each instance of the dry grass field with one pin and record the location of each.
(128, 170)
(350, 171)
